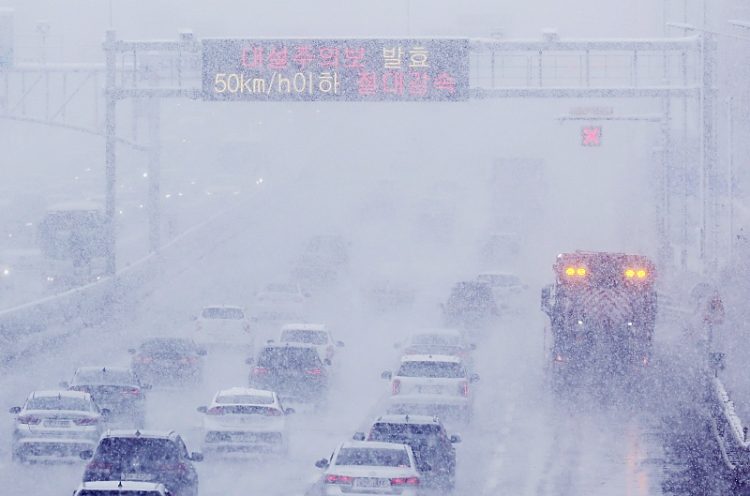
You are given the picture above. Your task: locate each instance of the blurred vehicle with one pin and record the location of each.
(294, 371)
(168, 361)
(115, 388)
(431, 385)
(55, 425)
(471, 305)
(224, 326)
(500, 249)
(243, 420)
(280, 301)
(433, 448)
(316, 335)
(506, 287)
(145, 456)
(441, 341)
(75, 231)
(369, 467)
(121, 488)
(321, 263)
(387, 296)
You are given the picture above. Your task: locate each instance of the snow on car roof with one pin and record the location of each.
(373, 445)
(81, 370)
(137, 433)
(64, 393)
(287, 344)
(122, 485)
(407, 419)
(430, 358)
(304, 327)
(234, 307)
(242, 391)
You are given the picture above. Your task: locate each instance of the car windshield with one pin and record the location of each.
(123, 453)
(117, 492)
(222, 313)
(432, 369)
(289, 358)
(377, 457)
(304, 336)
(168, 347)
(244, 399)
(59, 403)
(104, 377)
(406, 433)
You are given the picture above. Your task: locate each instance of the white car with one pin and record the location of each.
(439, 341)
(431, 385)
(244, 420)
(369, 467)
(121, 488)
(224, 326)
(507, 288)
(280, 301)
(316, 335)
(56, 425)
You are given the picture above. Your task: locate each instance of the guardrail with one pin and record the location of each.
(726, 427)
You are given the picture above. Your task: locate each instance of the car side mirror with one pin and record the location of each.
(86, 454)
(15, 410)
(340, 344)
(201, 352)
(386, 375)
(426, 467)
(202, 409)
(64, 384)
(196, 456)
(131, 351)
(455, 438)
(105, 413)
(249, 361)
(474, 378)
(322, 463)
(327, 361)
(289, 411)
(359, 436)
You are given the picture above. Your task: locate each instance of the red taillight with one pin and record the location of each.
(260, 371)
(99, 466)
(272, 412)
(144, 359)
(84, 389)
(131, 392)
(189, 360)
(405, 481)
(313, 371)
(463, 389)
(86, 421)
(217, 410)
(29, 420)
(395, 386)
(338, 479)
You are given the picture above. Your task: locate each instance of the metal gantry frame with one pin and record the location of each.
(663, 69)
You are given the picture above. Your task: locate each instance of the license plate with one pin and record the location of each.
(430, 389)
(137, 476)
(371, 482)
(56, 423)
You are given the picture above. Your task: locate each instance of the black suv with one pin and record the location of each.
(144, 456)
(471, 305)
(294, 371)
(433, 449)
(115, 388)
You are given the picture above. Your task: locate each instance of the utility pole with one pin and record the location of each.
(710, 232)
(110, 141)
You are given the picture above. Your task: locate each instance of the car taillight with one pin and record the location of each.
(86, 421)
(144, 359)
(405, 481)
(260, 371)
(189, 360)
(396, 386)
(131, 392)
(313, 371)
(463, 389)
(99, 466)
(217, 410)
(29, 420)
(338, 479)
(84, 389)
(272, 412)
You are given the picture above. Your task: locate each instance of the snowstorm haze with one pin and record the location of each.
(365, 265)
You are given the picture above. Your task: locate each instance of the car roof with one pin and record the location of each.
(289, 345)
(124, 485)
(138, 433)
(245, 391)
(81, 370)
(407, 419)
(430, 358)
(373, 445)
(304, 327)
(64, 393)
